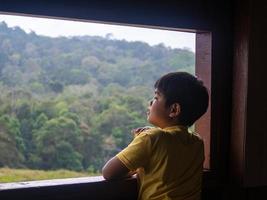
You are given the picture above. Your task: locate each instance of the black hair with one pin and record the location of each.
(186, 90)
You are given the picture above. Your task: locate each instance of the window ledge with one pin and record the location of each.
(53, 182)
(71, 188)
(84, 188)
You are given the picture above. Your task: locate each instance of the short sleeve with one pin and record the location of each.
(137, 153)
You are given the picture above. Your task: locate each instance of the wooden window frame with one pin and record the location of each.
(217, 56)
(203, 71)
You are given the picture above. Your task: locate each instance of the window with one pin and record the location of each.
(68, 102)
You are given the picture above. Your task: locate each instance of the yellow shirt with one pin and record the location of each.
(169, 163)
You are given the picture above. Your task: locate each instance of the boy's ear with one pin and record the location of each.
(175, 110)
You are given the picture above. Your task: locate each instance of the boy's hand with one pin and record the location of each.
(137, 131)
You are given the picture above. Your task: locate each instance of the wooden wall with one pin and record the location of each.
(249, 125)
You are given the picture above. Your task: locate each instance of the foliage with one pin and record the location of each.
(71, 102)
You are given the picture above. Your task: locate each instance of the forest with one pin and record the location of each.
(71, 102)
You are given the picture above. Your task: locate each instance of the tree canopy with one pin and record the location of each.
(71, 102)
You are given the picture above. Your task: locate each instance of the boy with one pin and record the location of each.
(167, 159)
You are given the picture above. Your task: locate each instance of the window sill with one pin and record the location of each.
(71, 188)
(83, 188)
(51, 183)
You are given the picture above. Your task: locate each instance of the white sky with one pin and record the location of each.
(55, 28)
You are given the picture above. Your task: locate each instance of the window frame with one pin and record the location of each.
(203, 72)
(161, 14)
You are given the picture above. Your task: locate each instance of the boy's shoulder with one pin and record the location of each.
(158, 131)
(178, 132)
(152, 131)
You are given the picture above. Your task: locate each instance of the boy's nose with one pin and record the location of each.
(150, 102)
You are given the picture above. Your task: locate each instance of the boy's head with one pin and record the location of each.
(185, 94)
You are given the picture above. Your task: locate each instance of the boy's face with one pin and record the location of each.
(158, 112)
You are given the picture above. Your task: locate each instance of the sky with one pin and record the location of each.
(56, 28)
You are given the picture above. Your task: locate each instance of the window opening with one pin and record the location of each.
(70, 98)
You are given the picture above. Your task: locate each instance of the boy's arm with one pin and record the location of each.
(115, 169)
(125, 163)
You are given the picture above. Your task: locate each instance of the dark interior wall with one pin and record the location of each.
(240, 72)
(256, 140)
(249, 133)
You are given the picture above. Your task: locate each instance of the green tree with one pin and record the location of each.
(49, 144)
(67, 158)
(13, 128)
(11, 142)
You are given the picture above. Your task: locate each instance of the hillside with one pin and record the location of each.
(71, 102)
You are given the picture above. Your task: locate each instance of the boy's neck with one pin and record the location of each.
(170, 124)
